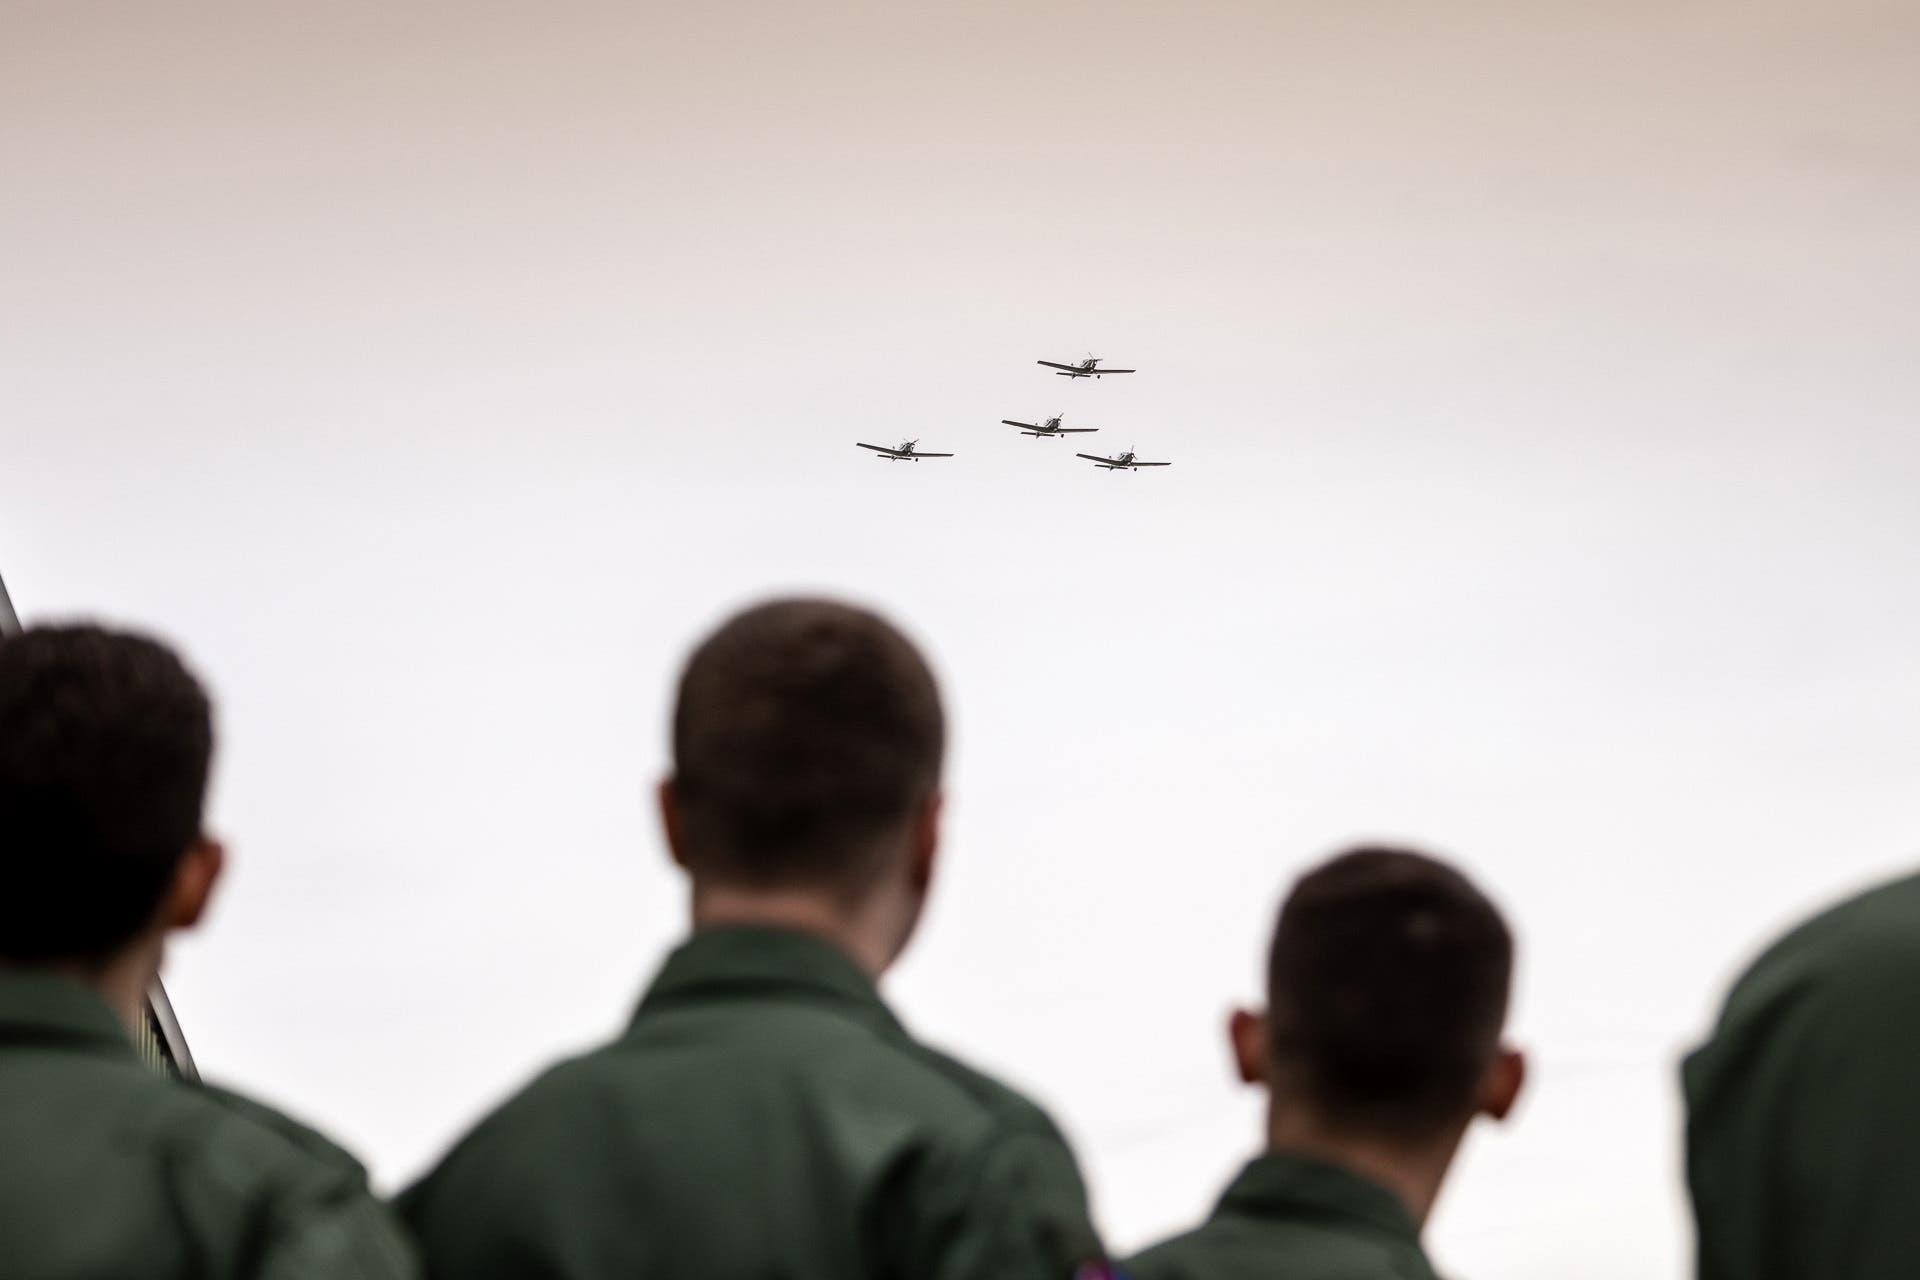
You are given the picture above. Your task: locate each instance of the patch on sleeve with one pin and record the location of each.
(1098, 1271)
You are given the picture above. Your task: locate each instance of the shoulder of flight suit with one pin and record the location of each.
(267, 1197)
(982, 1186)
(1290, 1214)
(487, 1166)
(1801, 1111)
(1203, 1254)
(277, 1135)
(962, 1114)
(999, 1195)
(996, 1104)
(1840, 974)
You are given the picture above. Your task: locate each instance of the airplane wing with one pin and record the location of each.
(891, 453)
(948, 455)
(1116, 370)
(1149, 464)
(1031, 426)
(1091, 457)
(1074, 431)
(1070, 368)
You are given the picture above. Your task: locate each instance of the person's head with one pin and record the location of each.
(105, 741)
(807, 745)
(1387, 988)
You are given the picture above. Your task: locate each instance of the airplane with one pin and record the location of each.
(1046, 427)
(905, 453)
(1125, 462)
(1088, 368)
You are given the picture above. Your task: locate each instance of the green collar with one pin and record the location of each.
(756, 962)
(43, 1009)
(1280, 1184)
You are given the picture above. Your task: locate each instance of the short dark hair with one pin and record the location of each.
(105, 742)
(1387, 986)
(803, 729)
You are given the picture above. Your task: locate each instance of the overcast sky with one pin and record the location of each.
(1539, 381)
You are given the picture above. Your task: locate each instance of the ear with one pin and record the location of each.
(192, 886)
(670, 819)
(926, 842)
(1506, 1076)
(1247, 1037)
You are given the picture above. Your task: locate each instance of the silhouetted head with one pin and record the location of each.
(807, 742)
(105, 743)
(1388, 981)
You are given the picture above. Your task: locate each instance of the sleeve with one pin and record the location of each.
(1014, 1209)
(262, 1196)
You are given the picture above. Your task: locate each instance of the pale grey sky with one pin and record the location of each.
(1540, 389)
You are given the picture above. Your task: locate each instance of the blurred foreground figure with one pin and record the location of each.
(1387, 989)
(1803, 1110)
(107, 1168)
(765, 1115)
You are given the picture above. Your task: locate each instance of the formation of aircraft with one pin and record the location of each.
(1047, 427)
(909, 450)
(1088, 368)
(1128, 461)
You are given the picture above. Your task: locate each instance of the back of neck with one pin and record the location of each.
(1412, 1171)
(122, 981)
(801, 910)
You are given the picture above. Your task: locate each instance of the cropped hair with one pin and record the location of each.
(1388, 983)
(105, 743)
(804, 729)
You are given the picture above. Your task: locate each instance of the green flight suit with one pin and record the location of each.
(108, 1169)
(1803, 1110)
(763, 1117)
(1294, 1217)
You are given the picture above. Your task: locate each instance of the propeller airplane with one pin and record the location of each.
(907, 452)
(1128, 461)
(1046, 427)
(1088, 368)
